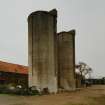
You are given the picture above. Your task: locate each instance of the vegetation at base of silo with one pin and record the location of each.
(15, 90)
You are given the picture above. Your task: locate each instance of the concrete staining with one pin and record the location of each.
(66, 60)
(42, 50)
(43, 53)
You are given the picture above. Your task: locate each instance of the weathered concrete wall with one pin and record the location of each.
(43, 50)
(66, 60)
(78, 81)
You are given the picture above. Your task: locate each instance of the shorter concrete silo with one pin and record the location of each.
(66, 60)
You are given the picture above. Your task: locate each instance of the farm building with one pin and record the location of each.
(13, 74)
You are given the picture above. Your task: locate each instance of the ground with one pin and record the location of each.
(94, 95)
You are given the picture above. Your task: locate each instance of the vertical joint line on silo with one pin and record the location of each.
(32, 45)
(73, 37)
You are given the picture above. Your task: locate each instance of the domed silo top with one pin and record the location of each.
(72, 32)
(53, 12)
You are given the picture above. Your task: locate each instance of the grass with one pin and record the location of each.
(91, 101)
(98, 100)
(79, 104)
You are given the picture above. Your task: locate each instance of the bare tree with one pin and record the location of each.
(84, 69)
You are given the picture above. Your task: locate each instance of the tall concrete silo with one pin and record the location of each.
(43, 50)
(66, 60)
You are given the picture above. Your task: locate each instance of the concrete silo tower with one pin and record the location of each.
(43, 50)
(66, 60)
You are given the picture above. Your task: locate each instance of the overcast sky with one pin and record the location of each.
(86, 16)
